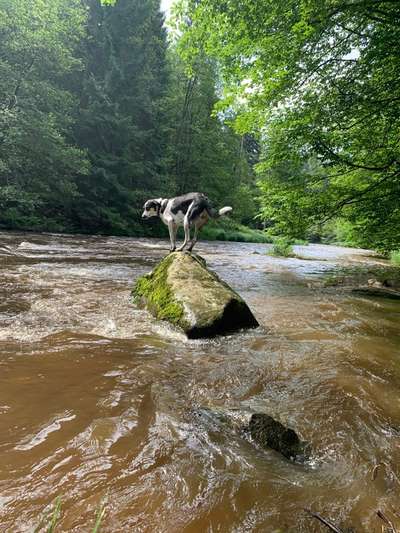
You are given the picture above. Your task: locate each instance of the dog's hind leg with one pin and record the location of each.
(186, 227)
(172, 228)
(200, 221)
(194, 240)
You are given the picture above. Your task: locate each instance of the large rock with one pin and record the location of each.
(183, 291)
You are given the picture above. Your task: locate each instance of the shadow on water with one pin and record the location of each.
(96, 397)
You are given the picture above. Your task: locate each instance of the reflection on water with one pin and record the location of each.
(96, 398)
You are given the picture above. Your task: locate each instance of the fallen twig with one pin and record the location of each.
(388, 470)
(326, 522)
(388, 522)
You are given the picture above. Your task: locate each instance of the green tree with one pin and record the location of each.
(121, 113)
(318, 83)
(38, 162)
(205, 153)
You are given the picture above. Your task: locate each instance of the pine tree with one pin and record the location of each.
(121, 113)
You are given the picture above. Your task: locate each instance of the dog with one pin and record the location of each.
(189, 210)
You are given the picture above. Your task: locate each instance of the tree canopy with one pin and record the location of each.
(38, 46)
(317, 82)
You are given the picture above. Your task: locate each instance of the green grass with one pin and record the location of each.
(50, 520)
(100, 515)
(395, 257)
(228, 230)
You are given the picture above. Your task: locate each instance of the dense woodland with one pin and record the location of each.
(98, 114)
(288, 111)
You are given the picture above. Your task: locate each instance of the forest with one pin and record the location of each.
(288, 111)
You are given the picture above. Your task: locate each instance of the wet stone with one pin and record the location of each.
(261, 429)
(183, 291)
(378, 291)
(271, 434)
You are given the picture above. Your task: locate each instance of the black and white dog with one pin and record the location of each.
(190, 210)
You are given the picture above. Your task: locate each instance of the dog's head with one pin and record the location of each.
(152, 208)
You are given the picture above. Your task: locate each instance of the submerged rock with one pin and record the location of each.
(377, 290)
(263, 430)
(183, 291)
(270, 433)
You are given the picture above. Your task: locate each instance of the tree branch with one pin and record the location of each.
(355, 165)
(355, 198)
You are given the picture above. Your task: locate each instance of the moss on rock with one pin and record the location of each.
(154, 291)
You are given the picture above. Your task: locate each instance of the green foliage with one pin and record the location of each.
(204, 153)
(38, 162)
(341, 231)
(230, 230)
(317, 82)
(395, 257)
(121, 117)
(282, 247)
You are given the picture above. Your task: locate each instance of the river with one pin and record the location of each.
(97, 398)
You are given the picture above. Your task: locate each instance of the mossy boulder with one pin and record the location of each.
(183, 291)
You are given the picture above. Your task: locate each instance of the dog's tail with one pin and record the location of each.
(216, 214)
(224, 210)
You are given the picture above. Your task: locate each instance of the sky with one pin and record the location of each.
(166, 5)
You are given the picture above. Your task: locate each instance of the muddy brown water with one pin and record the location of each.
(97, 398)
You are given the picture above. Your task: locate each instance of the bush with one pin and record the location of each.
(282, 248)
(220, 235)
(395, 257)
(301, 242)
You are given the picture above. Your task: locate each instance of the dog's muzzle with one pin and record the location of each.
(144, 215)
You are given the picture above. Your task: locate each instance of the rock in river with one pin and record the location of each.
(263, 430)
(270, 433)
(183, 291)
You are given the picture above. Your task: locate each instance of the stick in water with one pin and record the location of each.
(386, 520)
(326, 522)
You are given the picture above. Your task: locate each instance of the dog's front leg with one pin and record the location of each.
(172, 228)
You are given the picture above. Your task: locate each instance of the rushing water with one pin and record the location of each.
(97, 398)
